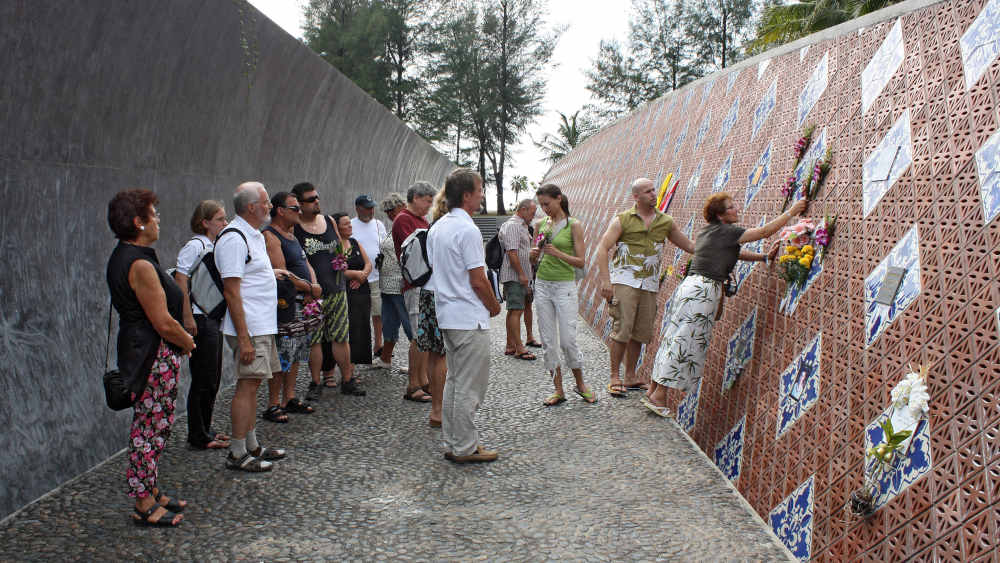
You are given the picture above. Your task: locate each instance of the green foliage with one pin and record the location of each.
(572, 131)
(786, 22)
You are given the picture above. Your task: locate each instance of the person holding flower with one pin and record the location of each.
(359, 299)
(558, 252)
(697, 300)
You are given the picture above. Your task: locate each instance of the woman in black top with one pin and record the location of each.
(693, 307)
(151, 342)
(359, 298)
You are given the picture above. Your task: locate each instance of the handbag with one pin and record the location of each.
(116, 392)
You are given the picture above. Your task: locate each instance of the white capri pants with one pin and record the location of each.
(556, 311)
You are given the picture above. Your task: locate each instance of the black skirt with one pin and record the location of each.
(359, 332)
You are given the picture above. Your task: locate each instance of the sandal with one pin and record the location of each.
(268, 454)
(297, 406)
(663, 412)
(533, 344)
(330, 381)
(166, 520)
(617, 390)
(588, 395)
(247, 463)
(636, 387)
(526, 355)
(509, 352)
(553, 400)
(412, 396)
(172, 504)
(217, 444)
(274, 413)
(351, 387)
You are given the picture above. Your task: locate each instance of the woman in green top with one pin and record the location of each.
(558, 252)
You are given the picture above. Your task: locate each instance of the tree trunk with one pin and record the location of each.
(458, 143)
(725, 37)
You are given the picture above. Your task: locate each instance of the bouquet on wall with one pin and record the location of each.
(820, 168)
(804, 243)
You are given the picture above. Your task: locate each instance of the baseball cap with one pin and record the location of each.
(364, 201)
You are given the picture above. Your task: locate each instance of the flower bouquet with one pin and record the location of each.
(339, 260)
(804, 242)
(542, 239)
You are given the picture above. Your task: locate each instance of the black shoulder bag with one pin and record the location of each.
(116, 393)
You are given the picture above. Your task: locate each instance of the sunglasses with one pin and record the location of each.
(309, 199)
(294, 208)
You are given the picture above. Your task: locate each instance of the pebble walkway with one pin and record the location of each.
(365, 480)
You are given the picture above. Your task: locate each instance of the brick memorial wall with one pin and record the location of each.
(906, 102)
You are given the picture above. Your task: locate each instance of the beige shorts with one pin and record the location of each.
(265, 357)
(376, 299)
(634, 312)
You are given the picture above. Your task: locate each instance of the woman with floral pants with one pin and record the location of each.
(151, 422)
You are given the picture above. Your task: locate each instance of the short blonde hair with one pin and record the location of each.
(440, 206)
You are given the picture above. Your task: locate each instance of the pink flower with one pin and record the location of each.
(137, 442)
(822, 236)
(147, 402)
(338, 263)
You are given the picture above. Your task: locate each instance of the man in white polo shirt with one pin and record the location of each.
(251, 322)
(369, 232)
(465, 302)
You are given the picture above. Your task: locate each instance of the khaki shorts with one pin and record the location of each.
(376, 299)
(265, 357)
(634, 312)
(514, 295)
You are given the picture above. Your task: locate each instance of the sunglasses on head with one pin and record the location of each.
(309, 199)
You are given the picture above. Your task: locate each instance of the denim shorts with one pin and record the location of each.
(394, 315)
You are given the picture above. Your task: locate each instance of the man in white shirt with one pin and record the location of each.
(250, 289)
(465, 302)
(369, 232)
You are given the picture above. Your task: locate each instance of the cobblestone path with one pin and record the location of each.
(365, 480)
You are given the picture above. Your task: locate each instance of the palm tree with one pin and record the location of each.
(572, 131)
(783, 23)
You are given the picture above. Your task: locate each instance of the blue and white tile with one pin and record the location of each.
(664, 144)
(758, 176)
(687, 98)
(687, 411)
(730, 120)
(764, 108)
(883, 65)
(904, 470)
(906, 255)
(792, 520)
(693, 182)
(681, 137)
(743, 268)
(729, 451)
(794, 292)
(802, 53)
(607, 328)
(816, 150)
(981, 43)
(687, 231)
(988, 168)
(707, 89)
(666, 316)
(722, 176)
(739, 350)
(699, 136)
(887, 163)
(997, 315)
(814, 88)
(731, 79)
(799, 385)
(642, 357)
(762, 67)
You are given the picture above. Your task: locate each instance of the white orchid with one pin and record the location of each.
(912, 393)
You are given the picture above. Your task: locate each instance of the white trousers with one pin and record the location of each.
(468, 360)
(556, 307)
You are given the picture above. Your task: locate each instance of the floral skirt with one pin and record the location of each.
(428, 334)
(334, 325)
(680, 358)
(153, 415)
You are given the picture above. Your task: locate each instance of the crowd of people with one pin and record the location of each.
(298, 285)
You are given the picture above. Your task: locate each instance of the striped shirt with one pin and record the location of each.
(514, 235)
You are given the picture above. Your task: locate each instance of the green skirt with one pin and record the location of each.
(334, 326)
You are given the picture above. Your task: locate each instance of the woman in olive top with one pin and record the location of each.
(558, 253)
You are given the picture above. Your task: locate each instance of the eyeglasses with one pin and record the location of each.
(294, 208)
(309, 199)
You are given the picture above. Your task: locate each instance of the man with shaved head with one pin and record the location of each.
(630, 286)
(251, 293)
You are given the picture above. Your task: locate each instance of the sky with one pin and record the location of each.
(586, 24)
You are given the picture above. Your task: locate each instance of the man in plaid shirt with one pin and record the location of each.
(515, 273)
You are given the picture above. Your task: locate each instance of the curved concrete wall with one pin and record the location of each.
(907, 100)
(187, 98)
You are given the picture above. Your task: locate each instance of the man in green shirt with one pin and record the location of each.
(638, 235)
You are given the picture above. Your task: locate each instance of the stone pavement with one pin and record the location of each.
(365, 480)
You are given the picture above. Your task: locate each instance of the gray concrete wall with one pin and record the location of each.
(187, 98)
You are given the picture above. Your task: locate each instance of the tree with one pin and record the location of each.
(783, 23)
(618, 82)
(572, 131)
(718, 29)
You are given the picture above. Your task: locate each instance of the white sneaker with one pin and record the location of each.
(377, 363)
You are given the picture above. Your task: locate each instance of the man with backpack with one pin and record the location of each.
(419, 198)
(515, 274)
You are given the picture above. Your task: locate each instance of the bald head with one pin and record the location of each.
(641, 183)
(644, 194)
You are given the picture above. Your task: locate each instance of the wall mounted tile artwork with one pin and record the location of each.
(687, 98)
(799, 385)
(792, 520)
(883, 65)
(887, 163)
(988, 168)
(758, 176)
(707, 90)
(727, 123)
(688, 228)
(642, 357)
(739, 350)
(693, 182)
(681, 137)
(607, 328)
(722, 176)
(729, 451)
(814, 88)
(699, 136)
(762, 67)
(904, 470)
(906, 255)
(687, 411)
(802, 53)
(743, 268)
(664, 144)
(665, 319)
(794, 292)
(981, 43)
(731, 79)
(764, 108)
(815, 151)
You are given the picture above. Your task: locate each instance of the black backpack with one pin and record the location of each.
(494, 253)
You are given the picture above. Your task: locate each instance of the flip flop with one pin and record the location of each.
(616, 390)
(663, 412)
(508, 352)
(526, 356)
(533, 344)
(409, 396)
(553, 400)
(637, 387)
(588, 395)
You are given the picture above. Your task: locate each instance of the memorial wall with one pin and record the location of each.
(889, 123)
(187, 98)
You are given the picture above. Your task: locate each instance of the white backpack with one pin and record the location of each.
(413, 260)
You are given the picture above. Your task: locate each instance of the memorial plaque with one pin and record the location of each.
(890, 285)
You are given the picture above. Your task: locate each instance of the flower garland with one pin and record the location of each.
(803, 241)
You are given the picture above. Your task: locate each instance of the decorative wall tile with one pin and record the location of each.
(883, 65)
(687, 231)
(707, 89)
(739, 350)
(607, 328)
(744, 267)
(722, 176)
(799, 385)
(887, 163)
(687, 98)
(814, 88)
(792, 520)
(758, 176)
(731, 79)
(729, 120)
(699, 136)
(905, 470)
(761, 67)
(642, 357)
(981, 43)
(794, 293)
(729, 451)
(687, 411)
(988, 167)
(906, 254)
(693, 182)
(802, 53)
(815, 151)
(764, 108)
(681, 137)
